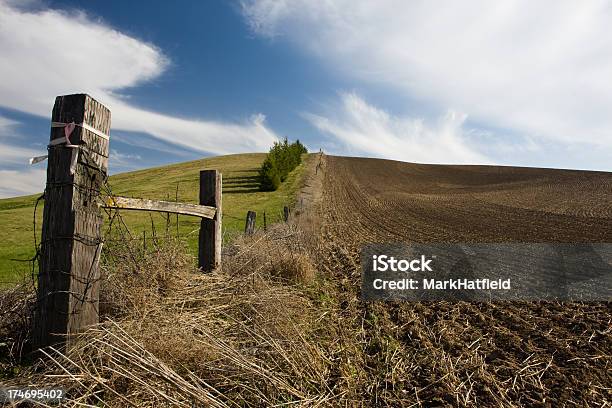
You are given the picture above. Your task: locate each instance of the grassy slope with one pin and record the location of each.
(240, 194)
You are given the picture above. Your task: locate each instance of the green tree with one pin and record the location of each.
(282, 158)
(268, 175)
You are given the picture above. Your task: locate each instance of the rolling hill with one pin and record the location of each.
(177, 181)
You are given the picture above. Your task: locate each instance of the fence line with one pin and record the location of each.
(76, 191)
(140, 204)
(249, 225)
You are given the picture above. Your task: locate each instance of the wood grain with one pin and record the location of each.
(249, 226)
(68, 278)
(126, 203)
(209, 256)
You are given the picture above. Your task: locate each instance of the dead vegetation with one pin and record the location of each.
(15, 311)
(282, 323)
(246, 335)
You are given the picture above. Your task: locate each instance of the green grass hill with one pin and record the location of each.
(240, 194)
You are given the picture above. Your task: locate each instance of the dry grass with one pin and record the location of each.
(172, 335)
(15, 311)
(282, 324)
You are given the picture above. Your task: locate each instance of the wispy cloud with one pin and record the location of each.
(16, 155)
(145, 142)
(5, 123)
(124, 161)
(16, 176)
(10, 154)
(359, 128)
(105, 63)
(540, 69)
(16, 183)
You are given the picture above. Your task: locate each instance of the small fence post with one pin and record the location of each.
(286, 213)
(209, 251)
(68, 279)
(264, 221)
(249, 225)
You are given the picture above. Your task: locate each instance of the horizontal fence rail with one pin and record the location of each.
(126, 203)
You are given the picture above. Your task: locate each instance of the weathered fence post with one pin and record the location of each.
(249, 225)
(68, 279)
(209, 256)
(264, 221)
(286, 213)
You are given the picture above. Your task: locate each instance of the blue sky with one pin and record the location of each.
(479, 82)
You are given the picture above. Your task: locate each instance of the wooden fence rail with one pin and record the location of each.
(71, 244)
(126, 203)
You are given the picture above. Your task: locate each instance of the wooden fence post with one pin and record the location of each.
(286, 213)
(264, 221)
(68, 280)
(209, 252)
(249, 225)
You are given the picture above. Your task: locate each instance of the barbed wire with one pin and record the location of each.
(91, 182)
(90, 172)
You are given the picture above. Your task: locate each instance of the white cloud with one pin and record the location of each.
(16, 183)
(50, 52)
(365, 130)
(540, 68)
(25, 180)
(145, 142)
(17, 155)
(5, 124)
(204, 136)
(124, 161)
(11, 154)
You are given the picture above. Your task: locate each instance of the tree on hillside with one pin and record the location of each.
(268, 175)
(282, 158)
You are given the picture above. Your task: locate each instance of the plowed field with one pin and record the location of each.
(466, 354)
(386, 200)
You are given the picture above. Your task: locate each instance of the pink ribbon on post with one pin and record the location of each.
(68, 129)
